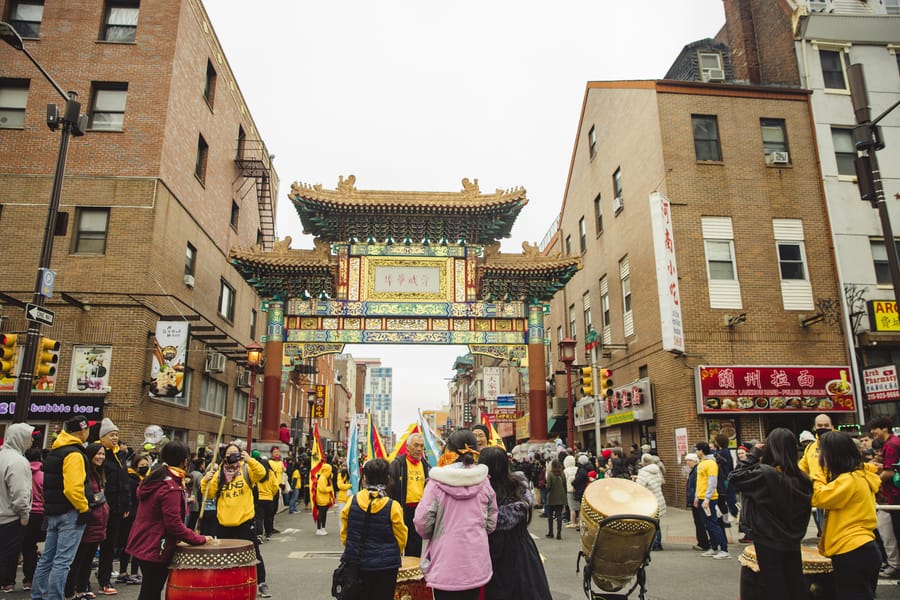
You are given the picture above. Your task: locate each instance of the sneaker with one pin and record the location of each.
(8, 588)
(88, 595)
(263, 590)
(709, 552)
(721, 555)
(324, 531)
(745, 540)
(699, 548)
(26, 585)
(571, 526)
(135, 580)
(889, 573)
(122, 578)
(108, 590)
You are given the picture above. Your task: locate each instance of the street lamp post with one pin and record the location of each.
(310, 401)
(73, 124)
(254, 361)
(567, 356)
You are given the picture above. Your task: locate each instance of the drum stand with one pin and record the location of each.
(640, 527)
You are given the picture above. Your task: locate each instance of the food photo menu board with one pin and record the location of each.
(756, 389)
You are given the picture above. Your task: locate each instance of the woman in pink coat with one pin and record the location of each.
(457, 512)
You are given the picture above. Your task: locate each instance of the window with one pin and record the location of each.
(241, 142)
(880, 260)
(235, 214)
(720, 259)
(120, 24)
(844, 150)
(625, 282)
(796, 290)
(190, 260)
(202, 154)
(573, 326)
(252, 323)
(833, 69)
(892, 7)
(711, 66)
(604, 303)
(598, 214)
(586, 308)
(212, 396)
(108, 107)
(582, 235)
(721, 267)
(209, 90)
(25, 17)
(706, 137)
(617, 183)
(592, 141)
(13, 99)
(89, 236)
(791, 260)
(774, 135)
(569, 245)
(241, 403)
(226, 301)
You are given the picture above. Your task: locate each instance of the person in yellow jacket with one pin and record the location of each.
(809, 462)
(269, 489)
(845, 488)
(324, 497)
(343, 484)
(230, 488)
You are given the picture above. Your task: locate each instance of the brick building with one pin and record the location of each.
(170, 175)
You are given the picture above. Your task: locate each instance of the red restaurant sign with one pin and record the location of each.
(727, 389)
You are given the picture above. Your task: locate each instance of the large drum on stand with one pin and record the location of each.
(816, 571)
(411, 581)
(615, 562)
(220, 570)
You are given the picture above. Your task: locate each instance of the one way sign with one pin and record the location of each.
(33, 312)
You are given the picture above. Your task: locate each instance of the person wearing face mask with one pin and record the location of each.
(138, 469)
(809, 462)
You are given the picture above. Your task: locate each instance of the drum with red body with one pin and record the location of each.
(411, 582)
(221, 570)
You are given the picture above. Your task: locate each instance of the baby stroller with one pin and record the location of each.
(619, 524)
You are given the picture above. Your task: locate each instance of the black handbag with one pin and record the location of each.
(346, 581)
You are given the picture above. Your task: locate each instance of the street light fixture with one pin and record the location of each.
(567, 356)
(254, 361)
(73, 124)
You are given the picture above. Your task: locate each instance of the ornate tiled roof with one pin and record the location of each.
(346, 213)
(527, 276)
(284, 272)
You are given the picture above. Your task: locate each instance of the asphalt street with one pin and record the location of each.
(300, 563)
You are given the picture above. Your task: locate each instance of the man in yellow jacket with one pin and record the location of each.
(809, 462)
(269, 490)
(65, 508)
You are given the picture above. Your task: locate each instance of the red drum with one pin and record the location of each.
(411, 581)
(219, 570)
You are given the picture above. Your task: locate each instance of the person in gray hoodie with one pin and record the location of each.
(15, 499)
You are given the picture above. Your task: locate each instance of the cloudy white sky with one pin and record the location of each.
(417, 95)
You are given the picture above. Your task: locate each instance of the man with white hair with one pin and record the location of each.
(408, 474)
(691, 461)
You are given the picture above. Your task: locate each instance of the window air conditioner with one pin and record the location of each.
(618, 204)
(713, 75)
(778, 158)
(189, 281)
(215, 363)
(243, 380)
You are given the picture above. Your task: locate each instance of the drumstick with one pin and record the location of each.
(215, 456)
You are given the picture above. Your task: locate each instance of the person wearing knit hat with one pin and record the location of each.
(118, 496)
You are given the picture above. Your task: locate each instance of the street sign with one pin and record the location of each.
(33, 312)
(48, 278)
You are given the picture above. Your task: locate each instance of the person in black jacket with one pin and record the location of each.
(118, 496)
(408, 474)
(777, 499)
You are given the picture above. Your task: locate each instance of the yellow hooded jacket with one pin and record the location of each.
(324, 489)
(235, 503)
(849, 502)
(73, 472)
(343, 482)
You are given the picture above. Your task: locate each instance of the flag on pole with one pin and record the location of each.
(353, 455)
(432, 446)
(316, 460)
(494, 438)
(400, 447)
(374, 447)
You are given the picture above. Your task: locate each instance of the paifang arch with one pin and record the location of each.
(401, 267)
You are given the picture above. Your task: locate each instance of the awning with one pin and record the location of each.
(557, 424)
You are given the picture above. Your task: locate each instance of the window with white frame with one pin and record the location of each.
(880, 261)
(120, 23)
(241, 404)
(226, 300)
(573, 326)
(586, 309)
(26, 17)
(774, 135)
(582, 235)
(108, 106)
(721, 267)
(212, 396)
(598, 214)
(834, 68)
(844, 151)
(617, 184)
(892, 7)
(13, 100)
(91, 227)
(592, 142)
(706, 137)
(605, 321)
(625, 282)
(796, 290)
(711, 66)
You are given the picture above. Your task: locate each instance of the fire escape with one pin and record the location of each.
(255, 164)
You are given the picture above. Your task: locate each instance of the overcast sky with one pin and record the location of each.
(417, 95)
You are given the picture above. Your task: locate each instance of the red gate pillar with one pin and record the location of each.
(537, 383)
(271, 404)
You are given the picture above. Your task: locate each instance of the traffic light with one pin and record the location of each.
(8, 355)
(587, 381)
(47, 357)
(606, 382)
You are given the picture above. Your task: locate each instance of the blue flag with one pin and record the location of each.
(353, 456)
(432, 447)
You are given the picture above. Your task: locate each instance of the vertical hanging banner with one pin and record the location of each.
(666, 273)
(491, 383)
(320, 408)
(169, 358)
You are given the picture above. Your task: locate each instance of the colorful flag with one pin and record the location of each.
(374, 447)
(353, 455)
(432, 441)
(400, 447)
(494, 438)
(316, 460)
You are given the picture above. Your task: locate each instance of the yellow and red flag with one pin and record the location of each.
(400, 446)
(316, 460)
(494, 438)
(374, 447)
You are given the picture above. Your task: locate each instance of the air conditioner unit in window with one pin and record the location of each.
(713, 75)
(243, 380)
(778, 158)
(618, 204)
(189, 281)
(215, 363)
